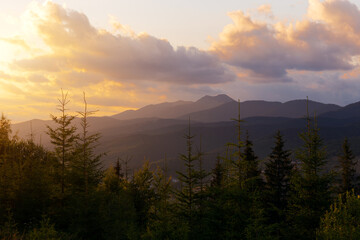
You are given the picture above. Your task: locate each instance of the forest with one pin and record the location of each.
(67, 193)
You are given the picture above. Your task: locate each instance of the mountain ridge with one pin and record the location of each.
(152, 137)
(174, 109)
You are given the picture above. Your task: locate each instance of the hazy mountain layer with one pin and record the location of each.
(174, 109)
(153, 138)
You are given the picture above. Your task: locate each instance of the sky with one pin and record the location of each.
(127, 54)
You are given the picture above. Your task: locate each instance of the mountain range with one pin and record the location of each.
(155, 131)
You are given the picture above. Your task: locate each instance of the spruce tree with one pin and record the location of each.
(347, 165)
(217, 174)
(235, 161)
(189, 180)
(278, 173)
(118, 169)
(311, 195)
(63, 138)
(143, 195)
(161, 224)
(251, 171)
(86, 166)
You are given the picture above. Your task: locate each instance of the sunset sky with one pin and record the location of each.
(126, 54)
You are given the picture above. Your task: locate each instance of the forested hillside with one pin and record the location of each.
(67, 192)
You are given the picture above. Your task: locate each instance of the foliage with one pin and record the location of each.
(342, 221)
(278, 171)
(63, 138)
(347, 165)
(45, 231)
(86, 167)
(189, 180)
(310, 190)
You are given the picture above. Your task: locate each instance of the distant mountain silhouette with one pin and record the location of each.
(349, 111)
(291, 109)
(151, 137)
(171, 110)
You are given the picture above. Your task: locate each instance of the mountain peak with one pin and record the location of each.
(221, 98)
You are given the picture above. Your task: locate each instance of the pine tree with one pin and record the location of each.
(86, 166)
(216, 202)
(118, 169)
(202, 173)
(278, 173)
(236, 166)
(311, 195)
(63, 138)
(347, 165)
(218, 174)
(162, 220)
(251, 171)
(143, 195)
(186, 196)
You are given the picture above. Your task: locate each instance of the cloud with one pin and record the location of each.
(76, 44)
(266, 10)
(16, 41)
(327, 39)
(120, 69)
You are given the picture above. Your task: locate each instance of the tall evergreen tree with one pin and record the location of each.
(347, 165)
(217, 174)
(251, 171)
(234, 161)
(311, 195)
(278, 173)
(118, 169)
(162, 224)
(189, 180)
(143, 195)
(63, 138)
(86, 166)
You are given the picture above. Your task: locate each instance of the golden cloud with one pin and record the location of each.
(76, 44)
(268, 51)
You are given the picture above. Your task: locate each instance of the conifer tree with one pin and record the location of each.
(161, 224)
(251, 171)
(236, 169)
(118, 169)
(218, 174)
(347, 165)
(311, 195)
(143, 195)
(186, 196)
(278, 173)
(215, 215)
(86, 166)
(202, 174)
(63, 138)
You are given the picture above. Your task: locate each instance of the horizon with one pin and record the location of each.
(129, 55)
(181, 100)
